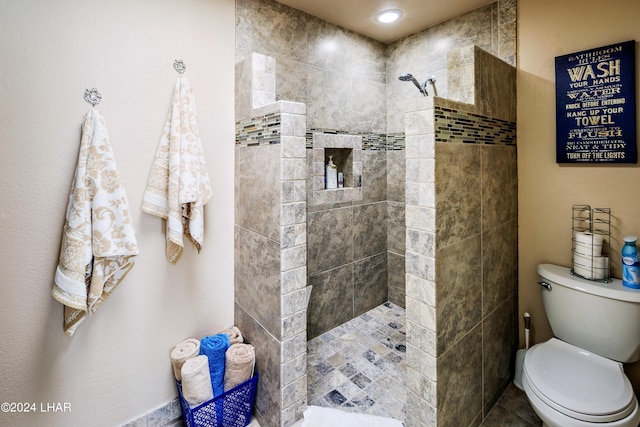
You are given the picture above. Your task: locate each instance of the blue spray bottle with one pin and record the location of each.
(630, 263)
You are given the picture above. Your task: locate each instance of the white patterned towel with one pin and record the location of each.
(98, 240)
(178, 185)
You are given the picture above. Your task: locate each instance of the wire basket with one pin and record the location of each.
(591, 243)
(231, 409)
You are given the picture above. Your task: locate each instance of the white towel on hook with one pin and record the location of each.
(178, 185)
(98, 240)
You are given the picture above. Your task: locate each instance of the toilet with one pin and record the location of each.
(576, 378)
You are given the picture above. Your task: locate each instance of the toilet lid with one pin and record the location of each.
(577, 381)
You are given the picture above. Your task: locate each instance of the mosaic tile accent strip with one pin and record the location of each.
(262, 130)
(360, 365)
(370, 141)
(311, 131)
(266, 130)
(458, 126)
(373, 141)
(395, 141)
(451, 125)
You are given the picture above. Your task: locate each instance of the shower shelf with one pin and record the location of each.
(346, 151)
(343, 159)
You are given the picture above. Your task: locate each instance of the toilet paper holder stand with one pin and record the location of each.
(591, 243)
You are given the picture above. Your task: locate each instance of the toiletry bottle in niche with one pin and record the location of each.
(630, 263)
(331, 174)
(340, 180)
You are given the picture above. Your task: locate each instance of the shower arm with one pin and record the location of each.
(423, 88)
(431, 80)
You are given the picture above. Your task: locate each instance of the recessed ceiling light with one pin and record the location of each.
(388, 16)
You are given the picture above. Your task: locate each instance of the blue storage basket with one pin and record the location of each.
(231, 409)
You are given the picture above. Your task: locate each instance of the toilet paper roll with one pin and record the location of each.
(591, 267)
(587, 261)
(589, 243)
(588, 250)
(589, 238)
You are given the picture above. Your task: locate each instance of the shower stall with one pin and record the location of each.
(426, 218)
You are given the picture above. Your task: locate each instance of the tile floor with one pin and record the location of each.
(360, 366)
(512, 410)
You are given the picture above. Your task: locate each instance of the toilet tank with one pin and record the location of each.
(603, 318)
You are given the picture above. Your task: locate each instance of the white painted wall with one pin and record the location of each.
(116, 367)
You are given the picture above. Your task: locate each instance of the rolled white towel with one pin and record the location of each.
(181, 353)
(234, 334)
(240, 359)
(196, 380)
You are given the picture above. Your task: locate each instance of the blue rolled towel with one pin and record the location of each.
(215, 347)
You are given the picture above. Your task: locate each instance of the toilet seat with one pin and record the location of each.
(577, 383)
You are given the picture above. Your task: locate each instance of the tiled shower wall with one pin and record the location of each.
(271, 257)
(350, 82)
(461, 216)
(491, 28)
(347, 263)
(349, 85)
(338, 74)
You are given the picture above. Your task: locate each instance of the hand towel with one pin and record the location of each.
(240, 359)
(178, 185)
(196, 381)
(234, 334)
(181, 353)
(98, 239)
(215, 347)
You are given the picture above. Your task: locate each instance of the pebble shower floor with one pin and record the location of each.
(360, 365)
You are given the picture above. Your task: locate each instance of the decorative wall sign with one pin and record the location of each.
(596, 105)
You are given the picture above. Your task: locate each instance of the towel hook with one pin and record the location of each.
(179, 66)
(92, 96)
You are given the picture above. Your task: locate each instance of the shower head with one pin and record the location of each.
(409, 78)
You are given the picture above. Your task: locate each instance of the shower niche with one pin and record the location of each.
(346, 153)
(343, 159)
